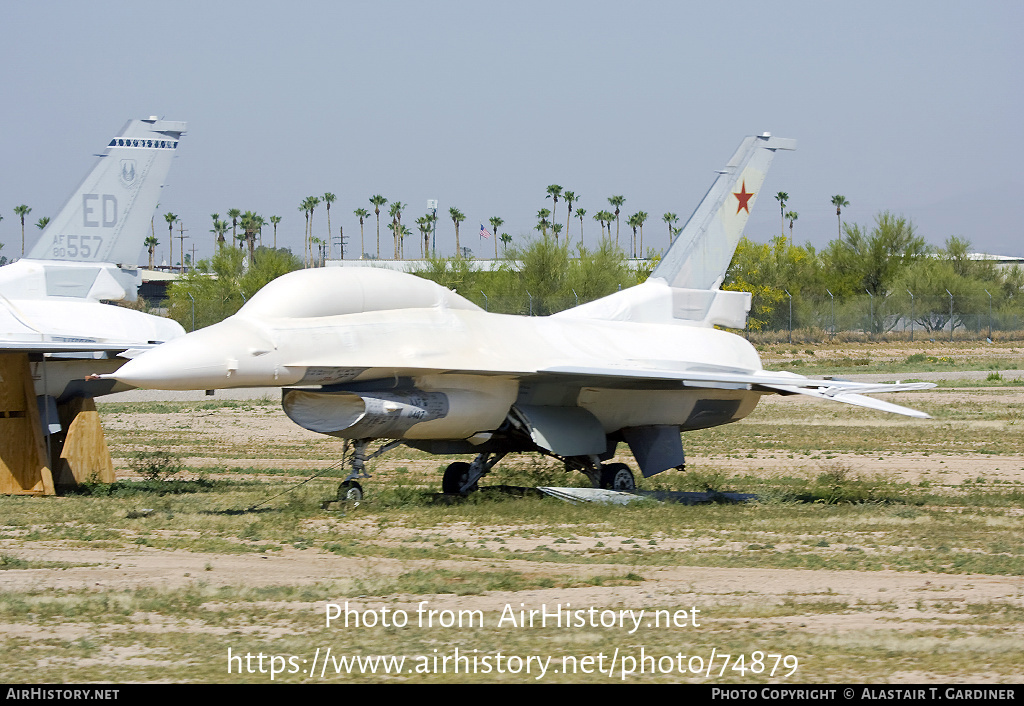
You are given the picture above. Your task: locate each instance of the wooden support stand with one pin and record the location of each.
(79, 452)
(23, 469)
(84, 455)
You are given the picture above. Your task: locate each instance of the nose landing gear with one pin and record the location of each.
(350, 492)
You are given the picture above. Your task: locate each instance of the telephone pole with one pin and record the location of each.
(181, 241)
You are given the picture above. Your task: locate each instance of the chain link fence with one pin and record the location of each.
(900, 315)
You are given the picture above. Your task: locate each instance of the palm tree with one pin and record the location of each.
(22, 211)
(429, 221)
(251, 224)
(603, 217)
(151, 242)
(171, 218)
(361, 213)
(431, 229)
(634, 224)
(329, 198)
(457, 218)
(219, 229)
(608, 218)
(313, 201)
(641, 218)
(792, 216)
(377, 200)
(670, 219)
(542, 222)
(308, 204)
(275, 220)
(394, 231)
(840, 202)
(495, 224)
(569, 197)
(506, 239)
(423, 223)
(580, 213)
(616, 201)
(316, 251)
(403, 233)
(556, 228)
(304, 207)
(396, 221)
(233, 214)
(41, 223)
(554, 191)
(216, 230)
(782, 197)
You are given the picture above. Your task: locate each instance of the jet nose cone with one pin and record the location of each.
(212, 358)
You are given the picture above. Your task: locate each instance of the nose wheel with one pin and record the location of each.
(350, 492)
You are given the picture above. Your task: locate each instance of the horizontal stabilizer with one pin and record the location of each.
(855, 398)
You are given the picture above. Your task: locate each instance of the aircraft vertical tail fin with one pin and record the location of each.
(107, 219)
(684, 287)
(700, 256)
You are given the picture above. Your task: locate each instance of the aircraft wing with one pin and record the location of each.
(784, 383)
(70, 347)
(645, 376)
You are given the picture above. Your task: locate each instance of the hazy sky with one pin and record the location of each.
(908, 106)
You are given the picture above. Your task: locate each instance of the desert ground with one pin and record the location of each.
(879, 549)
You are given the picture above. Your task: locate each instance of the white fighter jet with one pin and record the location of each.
(55, 327)
(371, 354)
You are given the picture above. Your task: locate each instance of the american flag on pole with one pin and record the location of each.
(484, 233)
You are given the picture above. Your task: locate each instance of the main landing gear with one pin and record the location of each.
(609, 476)
(460, 478)
(617, 476)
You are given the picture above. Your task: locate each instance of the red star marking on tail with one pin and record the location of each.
(743, 197)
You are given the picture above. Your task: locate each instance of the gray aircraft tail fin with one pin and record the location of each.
(107, 219)
(700, 256)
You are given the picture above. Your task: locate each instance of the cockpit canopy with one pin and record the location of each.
(332, 291)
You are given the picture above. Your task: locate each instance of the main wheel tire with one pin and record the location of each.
(454, 477)
(350, 492)
(617, 476)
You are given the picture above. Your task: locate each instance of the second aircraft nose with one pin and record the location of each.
(233, 353)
